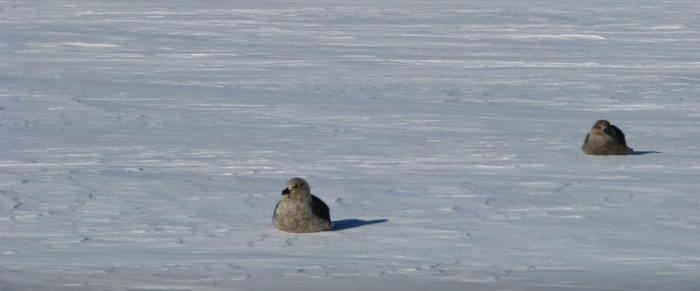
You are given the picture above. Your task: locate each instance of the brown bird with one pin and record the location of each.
(300, 211)
(605, 139)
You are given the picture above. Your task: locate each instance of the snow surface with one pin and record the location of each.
(144, 144)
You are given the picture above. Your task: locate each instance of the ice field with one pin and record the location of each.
(144, 144)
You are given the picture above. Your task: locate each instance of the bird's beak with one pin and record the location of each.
(286, 191)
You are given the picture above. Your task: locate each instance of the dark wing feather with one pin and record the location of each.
(619, 136)
(319, 208)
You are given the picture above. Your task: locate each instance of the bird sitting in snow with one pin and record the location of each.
(300, 211)
(605, 139)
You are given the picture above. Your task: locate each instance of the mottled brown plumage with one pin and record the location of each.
(300, 211)
(605, 139)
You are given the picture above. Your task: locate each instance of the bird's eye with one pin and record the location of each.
(296, 186)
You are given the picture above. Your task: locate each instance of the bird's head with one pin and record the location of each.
(297, 188)
(603, 126)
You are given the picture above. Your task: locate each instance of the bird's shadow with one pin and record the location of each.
(353, 223)
(639, 153)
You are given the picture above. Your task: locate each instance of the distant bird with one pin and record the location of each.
(605, 139)
(300, 211)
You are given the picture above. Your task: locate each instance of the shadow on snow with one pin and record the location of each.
(352, 223)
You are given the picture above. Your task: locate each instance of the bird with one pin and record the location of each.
(299, 211)
(605, 139)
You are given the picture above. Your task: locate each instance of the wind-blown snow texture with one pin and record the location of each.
(144, 144)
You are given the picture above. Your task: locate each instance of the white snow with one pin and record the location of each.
(144, 144)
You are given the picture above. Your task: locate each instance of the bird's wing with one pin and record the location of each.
(319, 208)
(619, 136)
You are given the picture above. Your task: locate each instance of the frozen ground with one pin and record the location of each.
(144, 144)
